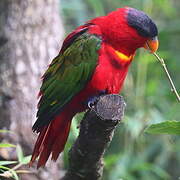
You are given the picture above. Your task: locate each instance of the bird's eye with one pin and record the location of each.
(154, 38)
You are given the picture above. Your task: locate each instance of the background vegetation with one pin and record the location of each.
(134, 154)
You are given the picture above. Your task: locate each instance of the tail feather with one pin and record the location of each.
(52, 139)
(58, 146)
(38, 144)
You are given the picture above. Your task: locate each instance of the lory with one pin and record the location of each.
(93, 60)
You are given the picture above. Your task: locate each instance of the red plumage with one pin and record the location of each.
(52, 138)
(119, 43)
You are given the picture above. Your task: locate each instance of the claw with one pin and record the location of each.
(92, 101)
(89, 105)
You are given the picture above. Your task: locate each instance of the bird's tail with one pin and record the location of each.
(52, 139)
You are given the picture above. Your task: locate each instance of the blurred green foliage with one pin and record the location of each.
(12, 169)
(166, 127)
(133, 154)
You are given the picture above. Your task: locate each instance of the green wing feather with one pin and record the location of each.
(68, 74)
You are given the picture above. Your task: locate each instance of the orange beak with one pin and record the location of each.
(152, 44)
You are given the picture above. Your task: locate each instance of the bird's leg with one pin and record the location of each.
(92, 100)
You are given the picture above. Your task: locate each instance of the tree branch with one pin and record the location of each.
(96, 132)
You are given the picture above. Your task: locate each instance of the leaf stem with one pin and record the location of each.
(168, 76)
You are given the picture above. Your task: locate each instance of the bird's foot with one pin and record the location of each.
(93, 100)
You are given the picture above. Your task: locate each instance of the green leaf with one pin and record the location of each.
(26, 160)
(3, 163)
(20, 154)
(5, 131)
(14, 174)
(4, 145)
(167, 127)
(4, 167)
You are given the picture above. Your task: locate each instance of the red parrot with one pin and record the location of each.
(94, 60)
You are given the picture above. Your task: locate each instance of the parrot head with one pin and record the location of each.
(128, 29)
(145, 27)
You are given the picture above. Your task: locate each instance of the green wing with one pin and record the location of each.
(68, 74)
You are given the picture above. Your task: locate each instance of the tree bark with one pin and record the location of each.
(30, 35)
(96, 132)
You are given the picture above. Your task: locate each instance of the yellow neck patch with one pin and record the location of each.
(123, 56)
